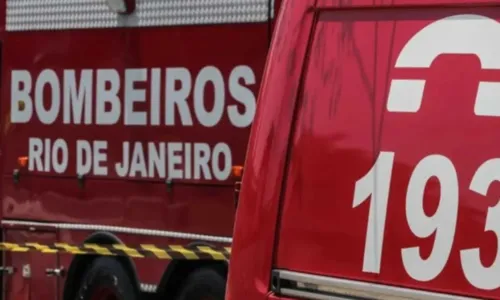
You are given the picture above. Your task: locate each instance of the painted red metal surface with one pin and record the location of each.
(193, 204)
(264, 163)
(29, 279)
(190, 204)
(345, 124)
(204, 206)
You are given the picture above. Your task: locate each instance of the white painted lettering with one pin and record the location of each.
(77, 99)
(178, 97)
(205, 117)
(104, 95)
(187, 160)
(21, 104)
(174, 158)
(243, 95)
(60, 156)
(46, 154)
(156, 160)
(83, 157)
(35, 149)
(151, 97)
(122, 167)
(138, 161)
(155, 96)
(100, 158)
(133, 95)
(224, 172)
(47, 77)
(201, 160)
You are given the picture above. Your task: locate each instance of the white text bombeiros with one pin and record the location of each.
(106, 97)
(74, 100)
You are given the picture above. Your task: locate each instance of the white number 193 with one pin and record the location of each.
(375, 186)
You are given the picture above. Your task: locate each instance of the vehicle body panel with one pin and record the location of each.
(266, 154)
(434, 159)
(24, 283)
(190, 202)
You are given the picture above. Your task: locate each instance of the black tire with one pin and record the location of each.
(203, 284)
(108, 273)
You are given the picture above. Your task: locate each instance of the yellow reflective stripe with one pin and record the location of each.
(98, 249)
(215, 254)
(14, 247)
(42, 248)
(144, 250)
(160, 253)
(187, 253)
(70, 249)
(129, 251)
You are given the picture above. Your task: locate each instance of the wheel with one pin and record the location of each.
(106, 279)
(203, 284)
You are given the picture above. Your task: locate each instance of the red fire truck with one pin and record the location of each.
(373, 165)
(121, 120)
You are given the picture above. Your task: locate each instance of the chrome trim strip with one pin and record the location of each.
(330, 288)
(126, 230)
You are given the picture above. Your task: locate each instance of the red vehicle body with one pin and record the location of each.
(372, 167)
(129, 124)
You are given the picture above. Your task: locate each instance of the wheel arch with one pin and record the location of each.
(178, 270)
(80, 263)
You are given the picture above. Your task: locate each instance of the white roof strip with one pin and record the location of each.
(25, 15)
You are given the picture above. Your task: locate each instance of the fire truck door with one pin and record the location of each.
(32, 276)
(378, 166)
